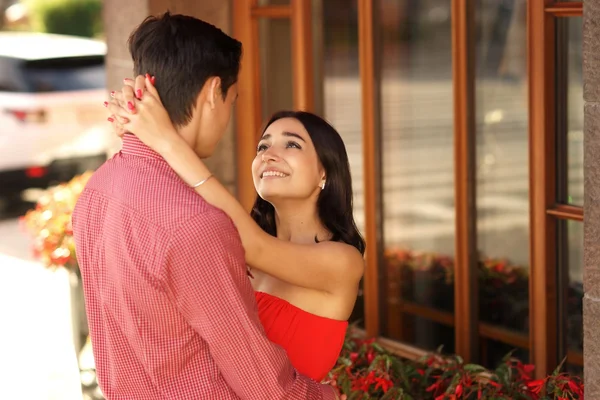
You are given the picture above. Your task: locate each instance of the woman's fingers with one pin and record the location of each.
(150, 80)
(117, 127)
(129, 82)
(117, 95)
(140, 86)
(128, 98)
(115, 108)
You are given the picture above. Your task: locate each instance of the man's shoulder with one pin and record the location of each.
(150, 190)
(206, 221)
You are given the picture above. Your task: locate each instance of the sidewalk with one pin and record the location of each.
(37, 358)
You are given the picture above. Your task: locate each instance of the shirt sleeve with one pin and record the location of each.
(206, 277)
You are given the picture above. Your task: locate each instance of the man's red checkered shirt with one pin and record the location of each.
(171, 311)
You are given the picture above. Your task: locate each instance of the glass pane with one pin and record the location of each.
(341, 91)
(502, 169)
(569, 110)
(417, 171)
(425, 334)
(570, 258)
(575, 108)
(492, 352)
(275, 66)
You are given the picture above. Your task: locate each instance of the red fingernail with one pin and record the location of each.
(106, 104)
(127, 80)
(138, 93)
(110, 119)
(112, 94)
(152, 80)
(130, 105)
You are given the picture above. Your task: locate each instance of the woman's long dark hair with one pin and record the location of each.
(335, 201)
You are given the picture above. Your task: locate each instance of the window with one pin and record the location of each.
(467, 169)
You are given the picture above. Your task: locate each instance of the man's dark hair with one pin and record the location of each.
(183, 52)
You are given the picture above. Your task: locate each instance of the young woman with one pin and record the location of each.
(304, 252)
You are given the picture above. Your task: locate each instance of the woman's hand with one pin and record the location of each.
(137, 109)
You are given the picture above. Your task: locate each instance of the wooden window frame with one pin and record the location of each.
(542, 340)
(544, 208)
(248, 113)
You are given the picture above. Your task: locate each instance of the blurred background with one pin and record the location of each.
(52, 128)
(59, 58)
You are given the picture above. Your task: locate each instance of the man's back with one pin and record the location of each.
(171, 311)
(123, 223)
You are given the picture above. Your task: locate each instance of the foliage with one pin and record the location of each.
(49, 223)
(366, 371)
(67, 17)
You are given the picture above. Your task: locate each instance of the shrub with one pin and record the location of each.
(67, 17)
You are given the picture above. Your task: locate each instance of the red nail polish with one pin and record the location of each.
(110, 120)
(112, 94)
(138, 93)
(106, 104)
(130, 105)
(152, 80)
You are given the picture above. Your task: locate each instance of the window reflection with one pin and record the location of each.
(275, 66)
(502, 174)
(417, 173)
(342, 94)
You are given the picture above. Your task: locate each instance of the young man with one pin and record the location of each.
(172, 313)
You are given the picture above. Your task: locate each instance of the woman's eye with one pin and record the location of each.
(261, 147)
(293, 145)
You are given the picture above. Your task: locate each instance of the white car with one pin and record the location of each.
(52, 123)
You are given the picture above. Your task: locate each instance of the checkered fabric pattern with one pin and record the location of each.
(171, 311)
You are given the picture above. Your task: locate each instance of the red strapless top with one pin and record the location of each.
(313, 343)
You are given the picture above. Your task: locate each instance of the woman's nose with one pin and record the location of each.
(269, 155)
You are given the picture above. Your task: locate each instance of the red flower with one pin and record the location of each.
(458, 391)
(536, 386)
(353, 356)
(370, 356)
(433, 387)
(528, 369)
(575, 388)
(384, 384)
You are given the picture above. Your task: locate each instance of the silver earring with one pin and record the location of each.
(323, 185)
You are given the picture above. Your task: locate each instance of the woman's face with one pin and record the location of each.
(286, 165)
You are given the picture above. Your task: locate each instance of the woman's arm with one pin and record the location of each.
(326, 266)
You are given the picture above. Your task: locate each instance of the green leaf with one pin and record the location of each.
(474, 368)
(378, 348)
(557, 370)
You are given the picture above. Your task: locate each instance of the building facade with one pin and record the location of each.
(466, 124)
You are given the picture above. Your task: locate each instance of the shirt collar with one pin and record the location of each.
(134, 146)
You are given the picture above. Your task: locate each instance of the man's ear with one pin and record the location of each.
(214, 91)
